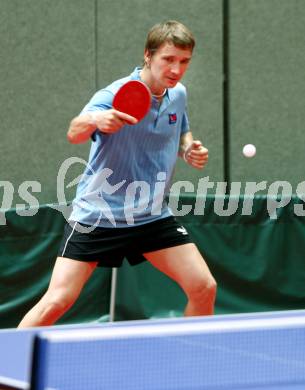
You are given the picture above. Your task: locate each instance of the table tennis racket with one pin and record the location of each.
(133, 98)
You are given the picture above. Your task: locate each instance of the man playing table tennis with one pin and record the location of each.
(120, 210)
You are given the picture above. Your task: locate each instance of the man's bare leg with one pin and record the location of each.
(68, 278)
(185, 265)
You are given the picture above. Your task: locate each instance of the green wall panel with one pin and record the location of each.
(122, 30)
(267, 58)
(47, 74)
(50, 68)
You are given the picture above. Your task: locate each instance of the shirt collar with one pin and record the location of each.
(135, 75)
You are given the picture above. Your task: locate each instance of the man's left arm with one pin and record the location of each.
(192, 151)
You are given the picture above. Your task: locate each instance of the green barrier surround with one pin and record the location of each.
(257, 260)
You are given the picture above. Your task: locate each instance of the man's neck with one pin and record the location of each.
(156, 90)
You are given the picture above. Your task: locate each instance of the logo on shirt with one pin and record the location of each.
(172, 118)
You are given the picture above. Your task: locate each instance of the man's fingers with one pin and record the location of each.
(126, 118)
(198, 166)
(197, 144)
(199, 154)
(199, 160)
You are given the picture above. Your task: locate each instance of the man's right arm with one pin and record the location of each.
(109, 121)
(81, 128)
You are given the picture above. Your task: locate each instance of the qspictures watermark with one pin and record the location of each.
(140, 196)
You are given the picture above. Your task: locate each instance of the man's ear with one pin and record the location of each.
(147, 57)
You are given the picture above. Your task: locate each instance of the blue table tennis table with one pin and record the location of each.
(245, 351)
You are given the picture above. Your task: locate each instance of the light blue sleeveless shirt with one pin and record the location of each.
(129, 172)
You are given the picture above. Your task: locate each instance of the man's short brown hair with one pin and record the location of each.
(170, 31)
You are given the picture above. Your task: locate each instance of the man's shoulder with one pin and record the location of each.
(113, 87)
(180, 88)
(107, 93)
(103, 98)
(178, 92)
(116, 85)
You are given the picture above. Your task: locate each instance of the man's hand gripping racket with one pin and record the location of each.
(130, 105)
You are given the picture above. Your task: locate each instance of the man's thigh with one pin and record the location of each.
(70, 274)
(182, 263)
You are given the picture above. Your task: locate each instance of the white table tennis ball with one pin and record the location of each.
(249, 150)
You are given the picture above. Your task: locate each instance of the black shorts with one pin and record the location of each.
(109, 246)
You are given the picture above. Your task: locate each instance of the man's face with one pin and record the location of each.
(168, 64)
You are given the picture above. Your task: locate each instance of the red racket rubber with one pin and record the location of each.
(133, 98)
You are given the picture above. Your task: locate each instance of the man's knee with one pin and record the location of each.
(203, 290)
(58, 301)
